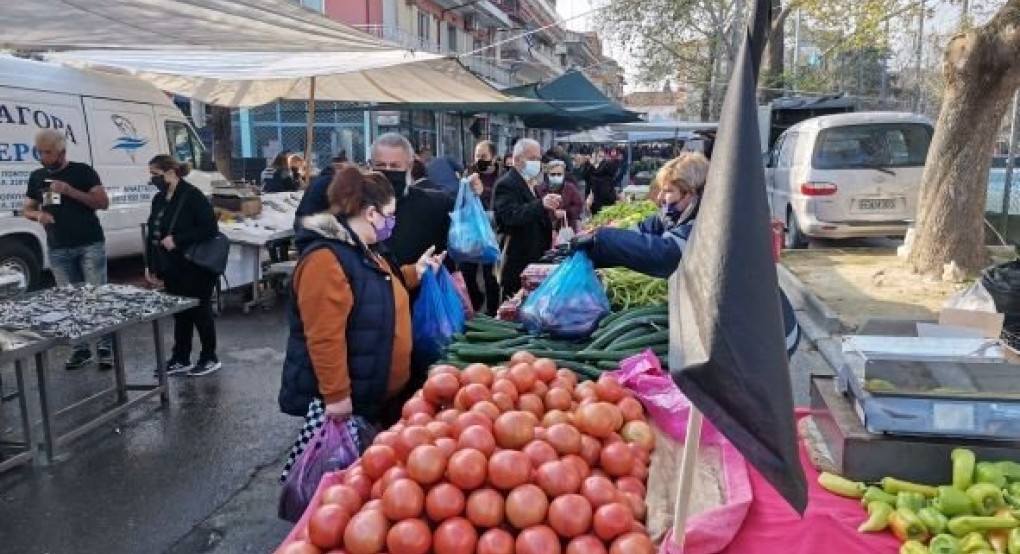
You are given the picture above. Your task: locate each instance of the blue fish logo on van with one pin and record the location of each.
(129, 141)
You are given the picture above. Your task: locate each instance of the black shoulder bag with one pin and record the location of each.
(210, 254)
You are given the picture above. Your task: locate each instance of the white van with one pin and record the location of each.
(114, 123)
(848, 175)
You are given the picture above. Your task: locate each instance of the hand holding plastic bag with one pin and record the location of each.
(471, 238)
(569, 303)
(337, 445)
(438, 315)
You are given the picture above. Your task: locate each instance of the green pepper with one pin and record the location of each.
(907, 526)
(934, 521)
(913, 501)
(1013, 544)
(986, 498)
(913, 547)
(952, 502)
(973, 542)
(963, 468)
(944, 544)
(1014, 489)
(840, 485)
(878, 517)
(988, 472)
(963, 525)
(894, 486)
(1011, 470)
(875, 494)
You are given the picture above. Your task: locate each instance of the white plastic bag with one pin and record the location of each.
(974, 298)
(565, 235)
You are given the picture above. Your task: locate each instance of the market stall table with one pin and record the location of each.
(16, 348)
(83, 313)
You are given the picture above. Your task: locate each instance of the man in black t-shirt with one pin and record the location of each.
(63, 197)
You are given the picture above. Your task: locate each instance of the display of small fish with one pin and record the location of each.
(78, 310)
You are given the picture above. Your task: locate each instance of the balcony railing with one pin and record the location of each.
(403, 38)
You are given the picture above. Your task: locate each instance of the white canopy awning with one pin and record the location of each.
(239, 79)
(268, 25)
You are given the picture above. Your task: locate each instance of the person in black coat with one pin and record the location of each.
(522, 218)
(602, 188)
(182, 216)
(282, 178)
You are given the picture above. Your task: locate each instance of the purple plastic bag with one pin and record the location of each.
(335, 447)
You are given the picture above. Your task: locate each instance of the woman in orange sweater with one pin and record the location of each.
(349, 350)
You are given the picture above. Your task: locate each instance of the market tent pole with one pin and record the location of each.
(686, 485)
(310, 131)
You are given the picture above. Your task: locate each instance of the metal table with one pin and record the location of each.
(250, 243)
(14, 453)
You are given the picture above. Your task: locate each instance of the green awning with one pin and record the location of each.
(578, 104)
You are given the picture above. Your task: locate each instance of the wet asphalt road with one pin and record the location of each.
(198, 477)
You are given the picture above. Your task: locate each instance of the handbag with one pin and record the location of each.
(210, 254)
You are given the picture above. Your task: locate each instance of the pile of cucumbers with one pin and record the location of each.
(619, 335)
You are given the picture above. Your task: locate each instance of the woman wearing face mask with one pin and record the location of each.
(349, 350)
(181, 216)
(558, 181)
(483, 175)
(656, 247)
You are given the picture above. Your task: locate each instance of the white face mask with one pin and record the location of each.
(556, 180)
(531, 169)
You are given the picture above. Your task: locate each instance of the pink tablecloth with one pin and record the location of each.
(829, 525)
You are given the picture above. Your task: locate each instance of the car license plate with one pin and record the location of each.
(877, 204)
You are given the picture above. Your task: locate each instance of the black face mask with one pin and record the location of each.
(483, 165)
(398, 179)
(159, 182)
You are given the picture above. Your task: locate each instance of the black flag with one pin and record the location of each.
(735, 365)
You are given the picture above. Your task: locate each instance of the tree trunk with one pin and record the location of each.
(775, 55)
(709, 81)
(981, 71)
(223, 139)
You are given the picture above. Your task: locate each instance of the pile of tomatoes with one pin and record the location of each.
(520, 459)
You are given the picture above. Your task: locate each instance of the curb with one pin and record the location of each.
(802, 298)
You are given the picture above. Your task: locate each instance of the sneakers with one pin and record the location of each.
(173, 367)
(205, 367)
(79, 359)
(105, 356)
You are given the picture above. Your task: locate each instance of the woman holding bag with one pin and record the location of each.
(182, 216)
(349, 349)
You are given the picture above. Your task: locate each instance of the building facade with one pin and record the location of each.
(486, 35)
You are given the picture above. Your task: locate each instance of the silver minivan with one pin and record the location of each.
(848, 175)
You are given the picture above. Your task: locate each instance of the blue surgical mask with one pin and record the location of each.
(556, 180)
(531, 169)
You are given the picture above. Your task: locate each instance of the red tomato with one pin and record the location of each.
(455, 536)
(377, 459)
(345, 496)
(447, 446)
(545, 369)
(554, 417)
(478, 374)
(514, 430)
(440, 389)
(566, 439)
(445, 368)
(361, 483)
(411, 536)
(557, 478)
(485, 508)
(570, 515)
(538, 540)
(411, 438)
(531, 403)
(448, 416)
(640, 433)
(503, 401)
(506, 386)
(439, 429)
(612, 520)
(631, 409)
(631, 484)
(468, 419)
(404, 499)
(417, 406)
(578, 464)
(388, 478)
(522, 375)
(599, 491)
(558, 399)
(632, 543)
(327, 524)
(636, 504)
(608, 389)
(522, 357)
(444, 501)
(487, 408)
(526, 505)
(509, 469)
(419, 420)
(470, 395)
(540, 452)
(586, 544)
(591, 448)
(539, 389)
(426, 464)
(366, 533)
(479, 438)
(496, 541)
(466, 469)
(596, 419)
(299, 547)
(616, 459)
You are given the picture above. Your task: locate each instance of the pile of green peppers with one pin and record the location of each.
(978, 514)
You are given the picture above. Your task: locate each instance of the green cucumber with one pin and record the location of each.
(585, 371)
(623, 326)
(650, 339)
(513, 342)
(632, 334)
(488, 336)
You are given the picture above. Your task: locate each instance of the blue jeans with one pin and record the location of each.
(81, 264)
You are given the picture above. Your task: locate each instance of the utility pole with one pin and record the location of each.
(920, 55)
(796, 51)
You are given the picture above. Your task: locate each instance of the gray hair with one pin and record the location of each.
(555, 163)
(394, 140)
(523, 145)
(53, 138)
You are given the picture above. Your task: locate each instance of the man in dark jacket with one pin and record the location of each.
(602, 188)
(522, 218)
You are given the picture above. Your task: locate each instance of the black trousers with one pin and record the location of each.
(487, 297)
(197, 284)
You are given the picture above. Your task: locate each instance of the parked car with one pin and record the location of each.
(848, 175)
(115, 123)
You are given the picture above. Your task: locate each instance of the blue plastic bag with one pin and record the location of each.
(438, 315)
(471, 237)
(569, 303)
(337, 445)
